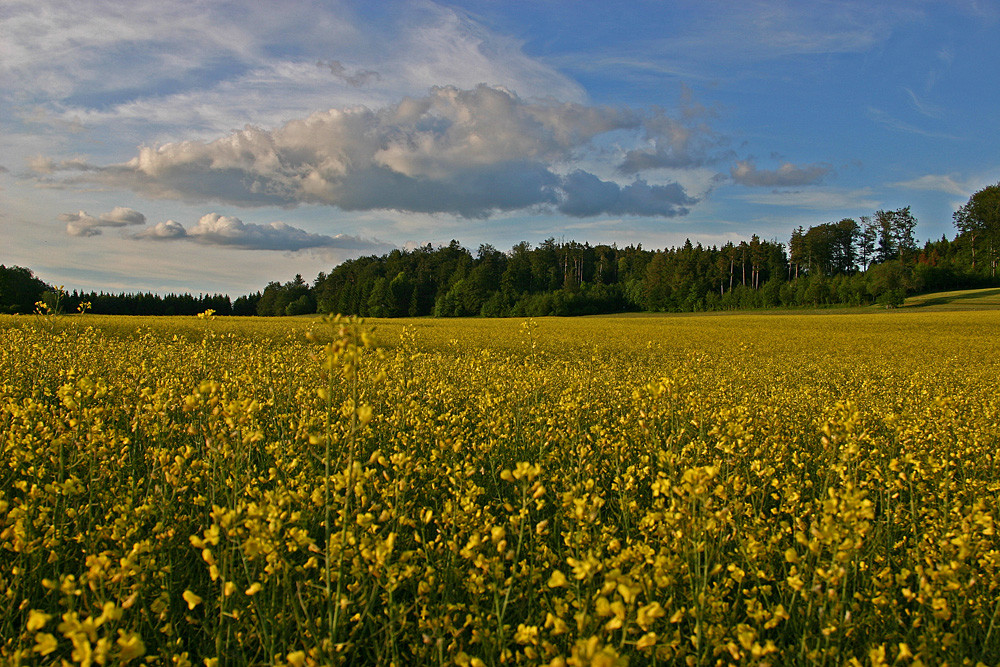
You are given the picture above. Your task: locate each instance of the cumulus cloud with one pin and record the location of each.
(586, 195)
(465, 152)
(673, 144)
(224, 230)
(787, 175)
(83, 224)
(171, 229)
(674, 150)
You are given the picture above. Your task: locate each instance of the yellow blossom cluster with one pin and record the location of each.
(797, 489)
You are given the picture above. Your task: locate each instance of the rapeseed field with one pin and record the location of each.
(804, 489)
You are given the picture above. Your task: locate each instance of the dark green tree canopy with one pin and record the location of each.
(978, 221)
(19, 289)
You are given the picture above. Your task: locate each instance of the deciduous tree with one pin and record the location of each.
(978, 220)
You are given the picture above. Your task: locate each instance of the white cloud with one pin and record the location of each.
(172, 67)
(171, 229)
(465, 152)
(223, 230)
(937, 183)
(83, 224)
(787, 175)
(441, 45)
(83, 39)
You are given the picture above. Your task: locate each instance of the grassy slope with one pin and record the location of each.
(977, 299)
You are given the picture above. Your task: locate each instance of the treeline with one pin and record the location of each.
(852, 262)
(875, 259)
(571, 278)
(150, 304)
(21, 291)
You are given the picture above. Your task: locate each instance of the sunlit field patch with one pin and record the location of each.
(737, 489)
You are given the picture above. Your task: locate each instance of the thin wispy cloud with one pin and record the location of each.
(82, 39)
(355, 77)
(937, 183)
(700, 39)
(761, 30)
(207, 68)
(924, 107)
(886, 120)
(861, 200)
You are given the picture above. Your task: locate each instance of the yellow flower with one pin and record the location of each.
(191, 599)
(557, 580)
(647, 615)
(37, 620)
(557, 625)
(746, 635)
(45, 643)
(110, 612)
(364, 414)
(877, 655)
(131, 646)
(82, 650)
(526, 634)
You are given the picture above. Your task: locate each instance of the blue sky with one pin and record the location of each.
(170, 145)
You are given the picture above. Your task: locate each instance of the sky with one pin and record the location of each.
(214, 145)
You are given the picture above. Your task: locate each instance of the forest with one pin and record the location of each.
(22, 292)
(849, 262)
(875, 259)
